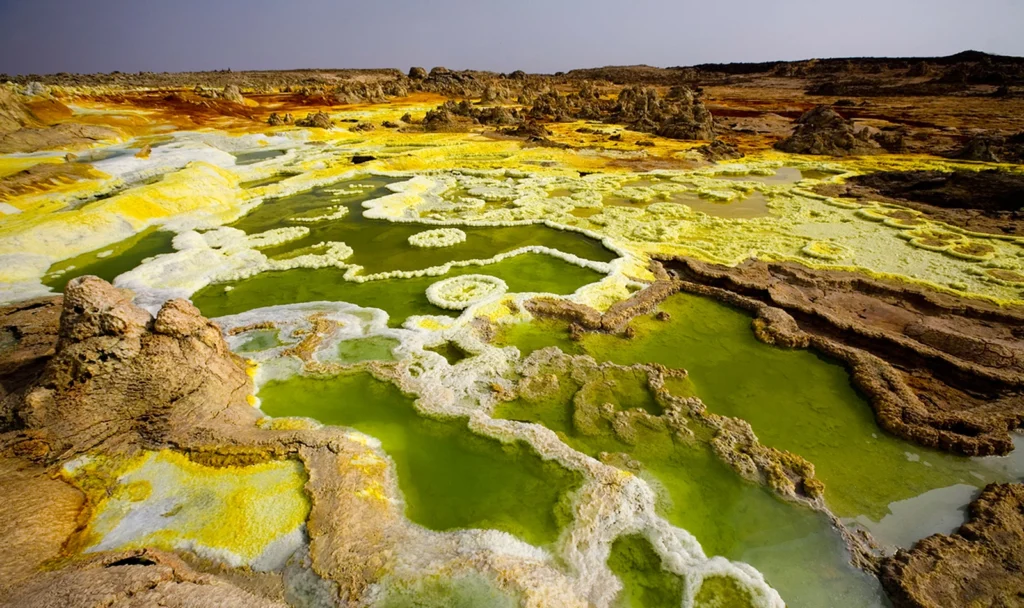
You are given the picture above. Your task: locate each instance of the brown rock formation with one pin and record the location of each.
(119, 380)
(823, 131)
(320, 120)
(28, 336)
(119, 377)
(39, 514)
(981, 564)
(233, 94)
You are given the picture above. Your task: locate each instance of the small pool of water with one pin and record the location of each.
(400, 298)
(249, 158)
(108, 262)
(750, 206)
(783, 176)
(266, 181)
(450, 477)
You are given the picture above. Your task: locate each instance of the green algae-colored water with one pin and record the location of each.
(400, 298)
(255, 156)
(450, 351)
(645, 584)
(260, 340)
(124, 256)
(372, 348)
(450, 477)
(381, 246)
(796, 549)
(793, 399)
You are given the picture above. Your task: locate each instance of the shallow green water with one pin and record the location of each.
(450, 351)
(796, 549)
(126, 255)
(471, 591)
(372, 348)
(260, 340)
(645, 584)
(400, 298)
(381, 246)
(794, 400)
(450, 477)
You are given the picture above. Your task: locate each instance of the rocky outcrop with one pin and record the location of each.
(992, 148)
(719, 150)
(13, 113)
(233, 94)
(119, 377)
(460, 116)
(981, 564)
(39, 515)
(940, 371)
(58, 136)
(320, 120)
(28, 337)
(417, 73)
(823, 131)
(277, 120)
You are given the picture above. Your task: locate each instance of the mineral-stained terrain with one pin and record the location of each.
(720, 335)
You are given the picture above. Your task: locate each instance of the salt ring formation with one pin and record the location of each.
(362, 338)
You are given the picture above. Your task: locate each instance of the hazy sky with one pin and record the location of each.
(41, 36)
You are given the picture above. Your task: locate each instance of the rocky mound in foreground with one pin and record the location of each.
(115, 373)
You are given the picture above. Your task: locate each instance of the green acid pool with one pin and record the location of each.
(450, 477)
(400, 298)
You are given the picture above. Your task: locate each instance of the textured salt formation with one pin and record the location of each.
(458, 293)
(441, 237)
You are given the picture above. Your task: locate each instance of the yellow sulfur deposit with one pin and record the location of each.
(239, 515)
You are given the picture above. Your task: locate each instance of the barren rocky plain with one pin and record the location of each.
(743, 335)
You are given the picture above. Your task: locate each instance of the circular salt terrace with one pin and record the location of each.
(441, 237)
(459, 293)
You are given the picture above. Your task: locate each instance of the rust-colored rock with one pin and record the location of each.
(981, 564)
(39, 515)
